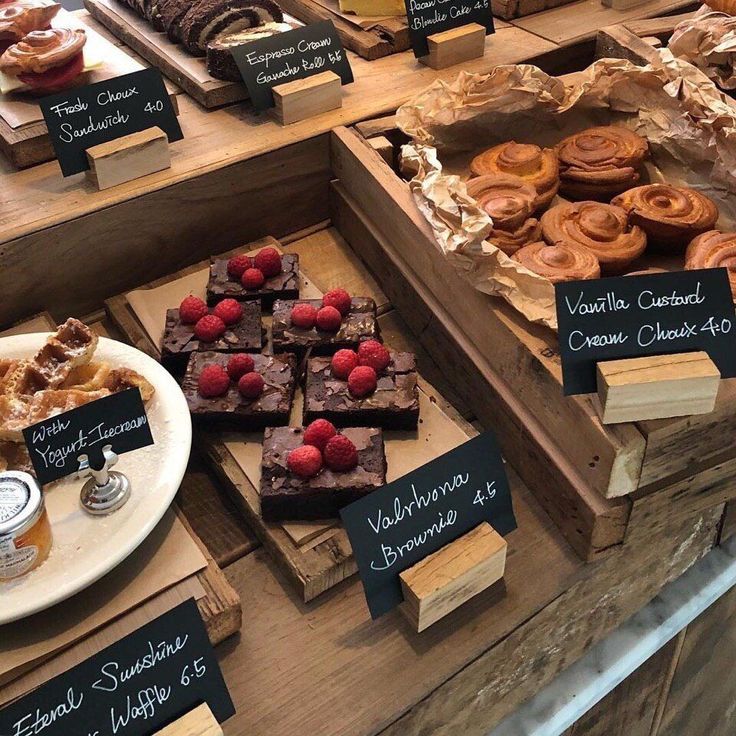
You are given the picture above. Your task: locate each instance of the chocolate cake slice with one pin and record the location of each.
(209, 19)
(171, 12)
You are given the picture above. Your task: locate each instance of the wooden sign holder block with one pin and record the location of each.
(455, 46)
(657, 387)
(446, 579)
(305, 98)
(128, 158)
(198, 722)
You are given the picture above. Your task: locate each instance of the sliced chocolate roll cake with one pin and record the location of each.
(171, 12)
(210, 19)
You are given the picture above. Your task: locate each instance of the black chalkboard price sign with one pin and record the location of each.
(134, 687)
(638, 316)
(426, 17)
(87, 116)
(403, 522)
(289, 56)
(55, 444)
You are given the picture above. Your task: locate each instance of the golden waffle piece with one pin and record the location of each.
(95, 376)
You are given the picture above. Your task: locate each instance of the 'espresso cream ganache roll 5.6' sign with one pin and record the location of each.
(638, 316)
(405, 521)
(286, 57)
(427, 17)
(83, 117)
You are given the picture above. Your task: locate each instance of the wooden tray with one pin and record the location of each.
(188, 71)
(315, 556)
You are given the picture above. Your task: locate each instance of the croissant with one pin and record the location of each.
(722, 6)
(40, 51)
(536, 166)
(598, 163)
(20, 18)
(600, 228)
(559, 262)
(509, 202)
(670, 216)
(714, 249)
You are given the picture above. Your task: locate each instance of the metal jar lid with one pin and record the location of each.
(21, 503)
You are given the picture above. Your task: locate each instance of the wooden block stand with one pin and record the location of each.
(305, 98)
(455, 46)
(657, 387)
(198, 722)
(128, 158)
(446, 579)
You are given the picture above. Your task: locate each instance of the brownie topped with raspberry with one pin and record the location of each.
(298, 483)
(362, 396)
(240, 278)
(231, 327)
(310, 324)
(243, 390)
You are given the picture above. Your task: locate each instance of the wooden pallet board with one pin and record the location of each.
(318, 556)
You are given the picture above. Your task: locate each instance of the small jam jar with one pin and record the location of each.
(25, 532)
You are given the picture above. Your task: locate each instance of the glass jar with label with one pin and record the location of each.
(25, 532)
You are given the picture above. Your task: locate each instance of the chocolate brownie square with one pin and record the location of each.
(286, 496)
(393, 405)
(358, 324)
(282, 286)
(179, 340)
(270, 409)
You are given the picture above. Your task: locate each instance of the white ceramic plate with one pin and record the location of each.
(87, 547)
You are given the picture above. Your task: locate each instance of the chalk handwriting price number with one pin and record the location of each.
(713, 326)
(197, 671)
(152, 107)
(485, 494)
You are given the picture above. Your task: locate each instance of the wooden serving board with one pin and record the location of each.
(314, 556)
(189, 72)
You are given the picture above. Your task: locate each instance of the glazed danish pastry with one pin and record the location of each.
(600, 228)
(40, 51)
(601, 162)
(714, 249)
(509, 202)
(670, 216)
(559, 262)
(20, 18)
(536, 166)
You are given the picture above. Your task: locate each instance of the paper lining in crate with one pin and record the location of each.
(689, 124)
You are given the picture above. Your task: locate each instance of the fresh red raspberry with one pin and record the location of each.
(252, 278)
(340, 454)
(251, 385)
(238, 265)
(209, 328)
(329, 319)
(338, 298)
(213, 381)
(229, 311)
(362, 381)
(269, 261)
(239, 365)
(305, 461)
(343, 362)
(191, 309)
(318, 433)
(304, 316)
(374, 354)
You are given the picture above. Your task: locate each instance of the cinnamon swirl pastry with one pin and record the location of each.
(600, 228)
(670, 216)
(598, 163)
(714, 249)
(536, 166)
(509, 202)
(559, 262)
(20, 18)
(40, 51)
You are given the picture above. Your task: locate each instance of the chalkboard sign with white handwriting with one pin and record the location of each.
(427, 17)
(83, 117)
(396, 526)
(286, 57)
(638, 316)
(134, 687)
